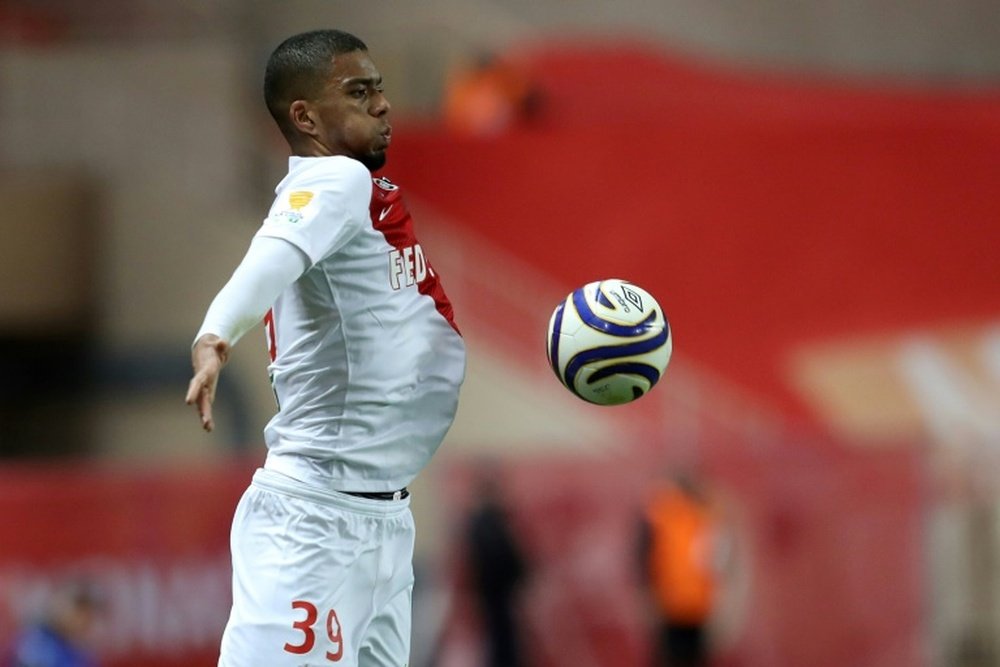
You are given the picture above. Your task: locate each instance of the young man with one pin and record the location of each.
(366, 364)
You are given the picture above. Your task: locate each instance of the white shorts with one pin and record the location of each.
(320, 579)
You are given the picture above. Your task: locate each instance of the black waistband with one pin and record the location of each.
(380, 495)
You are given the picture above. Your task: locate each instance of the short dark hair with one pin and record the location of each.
(298, 67)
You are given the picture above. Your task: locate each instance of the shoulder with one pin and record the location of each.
(39, 645)
(336, 172)
(319, 184)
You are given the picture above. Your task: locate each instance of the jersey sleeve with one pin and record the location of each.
(322, 208)
(269, 266)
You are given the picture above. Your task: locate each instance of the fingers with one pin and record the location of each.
(205, 410)
(194, 390)
(200, 394)
(208, 356)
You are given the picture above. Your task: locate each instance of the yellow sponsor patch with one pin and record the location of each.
(299, 199)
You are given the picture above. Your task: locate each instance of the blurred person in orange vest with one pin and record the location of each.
(680, 563)
(488, 96)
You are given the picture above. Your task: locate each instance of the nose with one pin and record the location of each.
(381, 106)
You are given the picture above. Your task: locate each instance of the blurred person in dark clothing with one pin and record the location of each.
(497, 571)
(59, 638)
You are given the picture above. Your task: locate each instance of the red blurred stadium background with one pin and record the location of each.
(768, 214)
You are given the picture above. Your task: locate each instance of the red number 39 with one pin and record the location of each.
(305, 626)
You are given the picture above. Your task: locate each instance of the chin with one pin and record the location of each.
(374, 161)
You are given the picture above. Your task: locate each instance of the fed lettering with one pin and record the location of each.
(407, 266)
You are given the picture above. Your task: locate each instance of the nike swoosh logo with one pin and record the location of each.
(385, 212)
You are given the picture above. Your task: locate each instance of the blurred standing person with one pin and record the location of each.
(366, 365)
(60, 637)
(680, 545)
(497, 570)
(488, 96)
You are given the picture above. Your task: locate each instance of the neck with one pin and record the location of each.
(310, 147)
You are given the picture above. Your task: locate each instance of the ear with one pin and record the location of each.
(301, 114)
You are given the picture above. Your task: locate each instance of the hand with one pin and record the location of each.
(208, 356)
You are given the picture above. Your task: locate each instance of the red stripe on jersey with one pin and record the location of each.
(272, 344)
(390, 216)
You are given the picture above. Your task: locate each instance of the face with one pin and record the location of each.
(351, 114)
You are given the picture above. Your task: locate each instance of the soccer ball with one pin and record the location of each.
(609, 342)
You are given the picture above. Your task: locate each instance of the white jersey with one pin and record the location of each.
(366, 362)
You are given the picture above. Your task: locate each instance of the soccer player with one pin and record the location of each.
(366, 365)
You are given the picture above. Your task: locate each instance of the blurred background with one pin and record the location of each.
(809, 187)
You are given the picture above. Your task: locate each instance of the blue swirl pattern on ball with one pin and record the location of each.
(553, 349)
(594, 321)
(609, 342)
(610, 352)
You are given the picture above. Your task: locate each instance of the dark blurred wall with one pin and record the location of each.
(47, 310)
